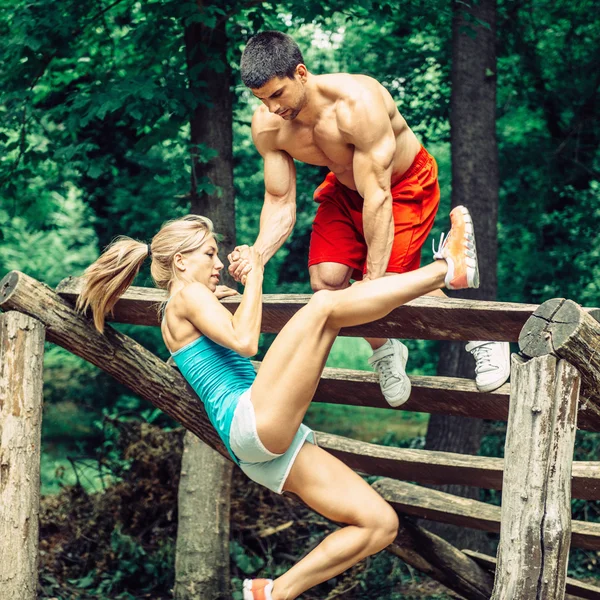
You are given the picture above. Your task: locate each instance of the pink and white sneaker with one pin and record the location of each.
(258, 589)
(459, 251)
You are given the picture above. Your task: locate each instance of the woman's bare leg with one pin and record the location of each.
(290, 371)
(332, 489)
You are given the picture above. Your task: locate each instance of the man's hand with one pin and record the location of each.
(223, 291)
(367, 277)
(239, 262)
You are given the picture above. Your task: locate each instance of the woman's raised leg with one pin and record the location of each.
(290, 371)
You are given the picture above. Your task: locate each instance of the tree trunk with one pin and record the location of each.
(474, 184)
(202, 553)
(212, 191)
(21, 367)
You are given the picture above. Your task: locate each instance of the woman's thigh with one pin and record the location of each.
(289, 374)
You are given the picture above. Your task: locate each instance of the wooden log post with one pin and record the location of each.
(535, 528)
(562, 328)
(21, 369)
(202, 550)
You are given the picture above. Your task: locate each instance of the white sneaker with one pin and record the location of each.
(492, 364)
(390, 362)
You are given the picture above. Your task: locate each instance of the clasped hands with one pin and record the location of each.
(241, 261)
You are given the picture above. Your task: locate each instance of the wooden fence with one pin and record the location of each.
(555, 388)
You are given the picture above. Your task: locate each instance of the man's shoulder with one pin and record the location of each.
(262, 119)
(361, 96)
(265, 126)
(351, 87)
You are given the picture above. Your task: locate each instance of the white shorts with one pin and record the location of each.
(258, 463)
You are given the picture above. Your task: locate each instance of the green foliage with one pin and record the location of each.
(245, 561)
(64, 244)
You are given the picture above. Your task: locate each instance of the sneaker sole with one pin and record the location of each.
(472, 272)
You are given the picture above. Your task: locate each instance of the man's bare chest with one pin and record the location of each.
(319, 145)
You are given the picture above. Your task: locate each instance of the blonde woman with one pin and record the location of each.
(259, 416)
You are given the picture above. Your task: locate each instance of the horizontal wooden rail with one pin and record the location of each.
(439, 468)
(426, 503)
(575, 589)
(442, 395)
(427, 318)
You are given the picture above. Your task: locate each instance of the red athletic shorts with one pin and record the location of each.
(338, 235)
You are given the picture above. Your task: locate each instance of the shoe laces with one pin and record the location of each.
(384, 367)
(483, 356)
(444, 239)
(437, 254)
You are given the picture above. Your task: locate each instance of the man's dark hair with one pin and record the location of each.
(269, 54)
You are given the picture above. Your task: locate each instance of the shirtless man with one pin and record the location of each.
(376, 207)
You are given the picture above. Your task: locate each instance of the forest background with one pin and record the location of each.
(96, 101)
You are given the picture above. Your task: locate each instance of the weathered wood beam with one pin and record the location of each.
(429, 317)
(564, 329)
(536, 499)
(438, 468)
(575, 589)
(426, 503)
(440, 560)
(443, 395)
(150, 378)
(21, 375)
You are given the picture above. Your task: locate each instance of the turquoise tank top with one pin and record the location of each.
(219, 376)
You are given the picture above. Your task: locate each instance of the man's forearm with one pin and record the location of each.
(277, 221)
(378, 225)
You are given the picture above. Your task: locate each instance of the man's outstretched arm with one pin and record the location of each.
(278, 214)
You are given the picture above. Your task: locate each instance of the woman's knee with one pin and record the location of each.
(385, 529)
(322, 302)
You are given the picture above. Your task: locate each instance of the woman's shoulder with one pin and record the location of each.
(189, 295)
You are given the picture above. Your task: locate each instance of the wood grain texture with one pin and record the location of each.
(427, 318)
(536, 498)
(434, 467)
(443, 507)
(440, 560)
(21, 398)
(575, 589)
(564, 329)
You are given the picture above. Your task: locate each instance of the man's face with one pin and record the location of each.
(283, 96)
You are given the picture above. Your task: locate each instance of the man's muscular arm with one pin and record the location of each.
(365, 123)
(278, 214)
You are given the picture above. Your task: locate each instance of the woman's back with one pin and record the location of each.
(219, 376)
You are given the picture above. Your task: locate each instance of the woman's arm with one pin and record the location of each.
(239, 331)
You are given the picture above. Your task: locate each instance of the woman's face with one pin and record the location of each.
(203, 265)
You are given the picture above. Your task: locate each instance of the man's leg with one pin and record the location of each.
(492, 360)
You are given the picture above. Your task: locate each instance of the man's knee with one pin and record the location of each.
(323, 278)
